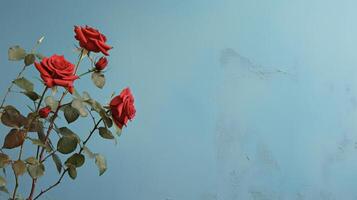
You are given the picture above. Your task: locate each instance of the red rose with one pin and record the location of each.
(56, 70)
(91, 39)
(122, 108)
(101, 64)
(44, 112)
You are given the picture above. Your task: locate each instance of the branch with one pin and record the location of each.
(10, 87)
(65, 171)
(52, 186)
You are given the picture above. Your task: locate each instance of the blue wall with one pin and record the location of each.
(235, 99)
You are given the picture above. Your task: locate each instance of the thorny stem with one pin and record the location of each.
(18, 75)
(90, 135)
(16, 177)
(10, 87)
(21, 148)
(79, 60)
(45, 142)
(38, 108)
(41, 99)
(52, 186)
(49, 155)
(66, 170)
(87, 72)
(47, 136)
(16, 184)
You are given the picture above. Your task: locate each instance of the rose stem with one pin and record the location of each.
(50, 129)
(65, 171)
(21, 148)
(46, 138)
(18, 76)
(10, 87)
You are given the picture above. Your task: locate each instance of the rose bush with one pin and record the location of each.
(66, 149)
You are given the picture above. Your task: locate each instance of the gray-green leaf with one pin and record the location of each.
(71, 114)
(57, 162)
(98, 79)
(29, 59)
(24, 84)
(88, 152)
(51, 102)
(67, 144)
(2, 181)
(19, 167)
(72, 171)
(105, 133)
(36, 170)
(101, 163)
(76, 159)
(32, 95)
(78, 104)
(16, 53)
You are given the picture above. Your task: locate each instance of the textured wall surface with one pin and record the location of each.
(236, 99)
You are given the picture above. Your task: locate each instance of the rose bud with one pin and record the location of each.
(101, 63)
(44, 112)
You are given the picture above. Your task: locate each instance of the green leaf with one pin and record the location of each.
(4, 160)
(72, 171)
(101, 163)
(32, 95)
(78, 104)
(25, 84)
(64, 131)
(57, 162)
(71, 114)
(14, 138)
(29, 59)
(98, 79)
(76, 159)
(12, 117)
(67, 144)
(16, 53)
(36, 170)
(51, 102)
(19, 167)
(2, 181)
(105, 133)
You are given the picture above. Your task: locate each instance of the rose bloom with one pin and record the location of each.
(56, 70)
(91, 39)
(44, 112)
(122, 108)
(101, 63)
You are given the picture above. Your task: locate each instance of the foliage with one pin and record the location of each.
(48, 107)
